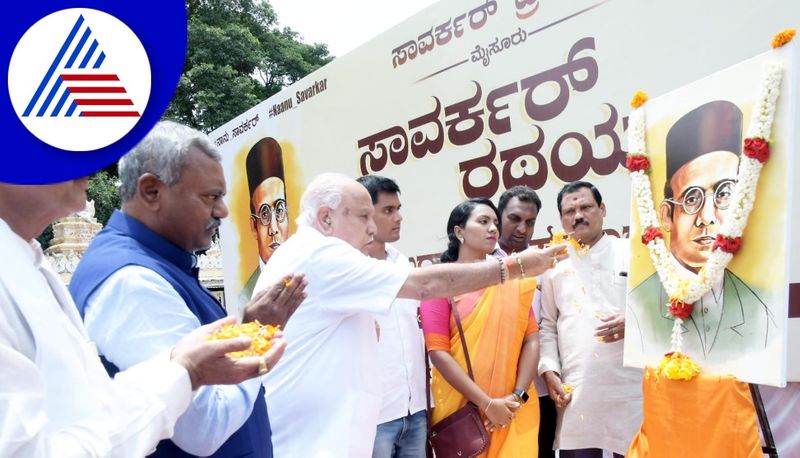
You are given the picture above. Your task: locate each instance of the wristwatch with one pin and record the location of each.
(521, 394)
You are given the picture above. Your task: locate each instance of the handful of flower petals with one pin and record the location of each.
(561, 238)
(259, 334)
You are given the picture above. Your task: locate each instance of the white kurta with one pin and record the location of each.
(401, 350)
(55, 396)
(324, 395)
(606, 407)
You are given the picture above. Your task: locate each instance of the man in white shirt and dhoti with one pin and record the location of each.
(583, 324)
(325, 395)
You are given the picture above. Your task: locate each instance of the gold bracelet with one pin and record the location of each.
(519, 263)
(486, 409)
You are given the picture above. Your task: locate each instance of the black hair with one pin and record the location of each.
(264, 160)
(458, 217)
(377, 184)
(521, 192)
(713, 126)
(575, 186)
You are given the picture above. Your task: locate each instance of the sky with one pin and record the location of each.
(344, 24)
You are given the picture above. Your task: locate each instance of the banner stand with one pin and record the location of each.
(769, 448)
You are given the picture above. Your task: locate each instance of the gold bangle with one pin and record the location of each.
(486, 409)
(521, 269)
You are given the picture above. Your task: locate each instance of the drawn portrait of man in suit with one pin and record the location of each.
(269, 216)
(703, 148)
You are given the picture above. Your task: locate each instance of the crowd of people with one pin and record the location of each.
(120, 364)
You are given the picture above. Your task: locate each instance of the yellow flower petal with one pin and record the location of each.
(783, 37)
(638, 99)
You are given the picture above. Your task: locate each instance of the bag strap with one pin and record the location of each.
(457, 317)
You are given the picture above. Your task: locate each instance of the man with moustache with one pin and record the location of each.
(402, 423)
(582, 331)
(56, 399)
(269, 215)
(518, 207)
(326, 393)
(702, 156)
(138, 292)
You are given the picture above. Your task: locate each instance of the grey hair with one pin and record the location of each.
(324, 191)
(163, 152)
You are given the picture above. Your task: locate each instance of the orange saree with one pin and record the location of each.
(496, 321)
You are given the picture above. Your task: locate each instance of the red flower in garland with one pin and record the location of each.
(637, 162)
(756, 148)
(680, 309)
(728, 244)
(651, 234)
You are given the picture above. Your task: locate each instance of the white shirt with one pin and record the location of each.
(606, 407)
(325, 395)
(401, 349)
(55, 396)
(135, 314)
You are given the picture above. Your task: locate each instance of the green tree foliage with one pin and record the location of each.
(104, 191)
(237, 57)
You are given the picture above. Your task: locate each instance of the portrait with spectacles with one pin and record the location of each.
(269, 214)
(702, 151)
(694, 197)
(269, 218)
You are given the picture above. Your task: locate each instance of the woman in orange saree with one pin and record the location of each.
(502, 339)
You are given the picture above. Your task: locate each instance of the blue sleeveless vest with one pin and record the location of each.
(125, 241)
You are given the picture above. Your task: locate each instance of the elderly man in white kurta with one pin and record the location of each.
(324, 396)
(583, 305)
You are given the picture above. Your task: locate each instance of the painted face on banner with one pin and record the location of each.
(270, 223)
(701, 191)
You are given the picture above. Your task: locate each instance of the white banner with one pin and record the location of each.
(470, 97)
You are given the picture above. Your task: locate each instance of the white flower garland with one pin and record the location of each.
(679, 283)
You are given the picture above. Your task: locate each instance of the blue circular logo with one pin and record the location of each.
(85, 83)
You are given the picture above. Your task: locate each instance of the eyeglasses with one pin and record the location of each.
(694, 198)
(264, 214)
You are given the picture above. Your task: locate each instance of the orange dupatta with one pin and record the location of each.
(494, 330)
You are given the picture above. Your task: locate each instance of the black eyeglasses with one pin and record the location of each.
(695, 197)
(264, 214)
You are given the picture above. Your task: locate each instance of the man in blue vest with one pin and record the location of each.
(138, 292)
(56, 399)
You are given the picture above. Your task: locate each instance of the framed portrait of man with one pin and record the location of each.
(694, 138)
